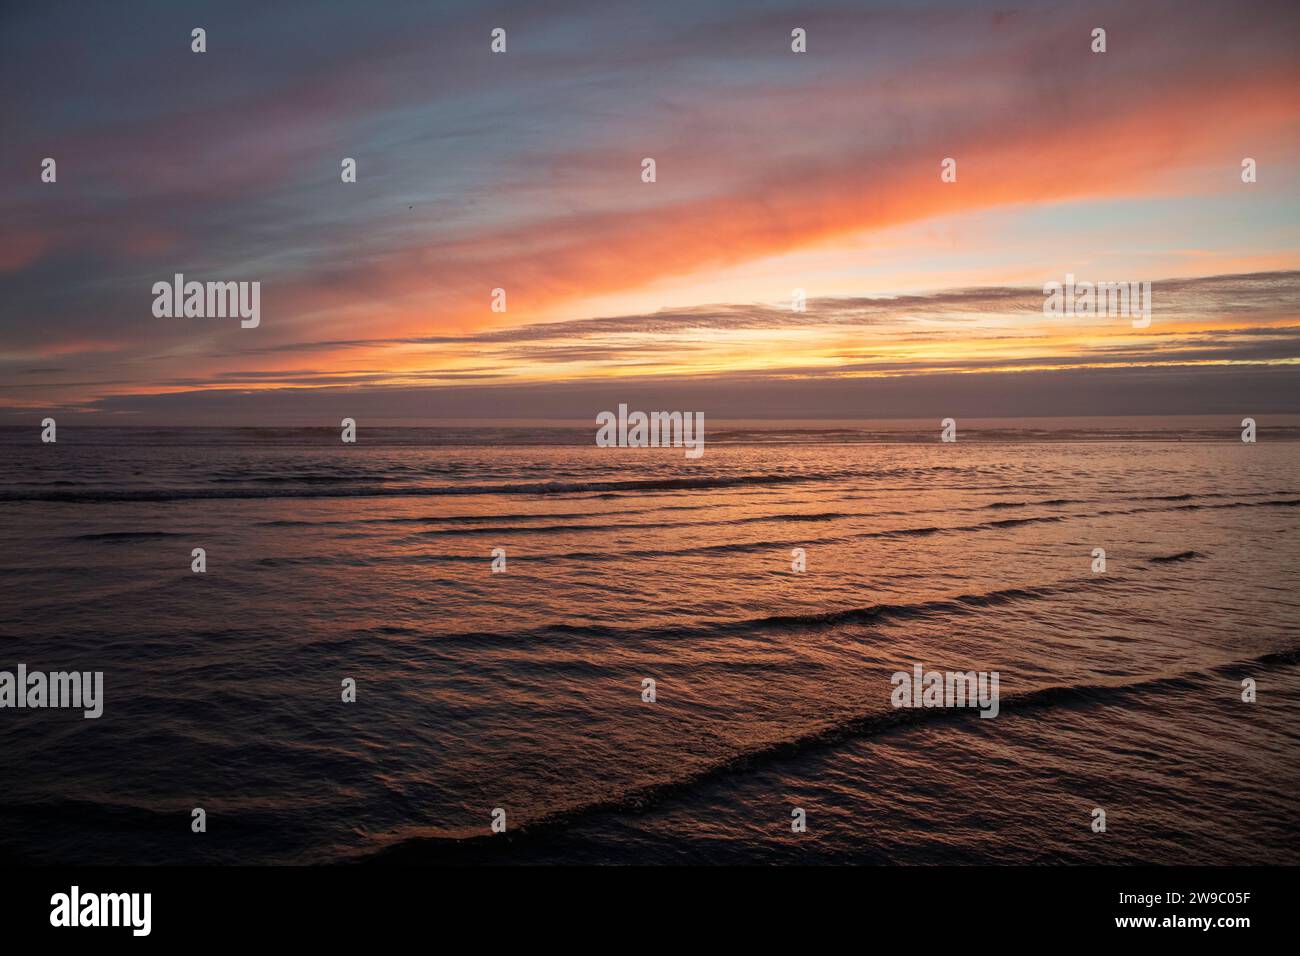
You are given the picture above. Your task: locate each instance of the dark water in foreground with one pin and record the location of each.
(522, 690)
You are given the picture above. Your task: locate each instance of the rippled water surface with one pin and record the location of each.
(522, 690)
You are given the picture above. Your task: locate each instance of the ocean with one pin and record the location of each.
(522, 690)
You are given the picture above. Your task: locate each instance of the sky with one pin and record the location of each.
(775, 171)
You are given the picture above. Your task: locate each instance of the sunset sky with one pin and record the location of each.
(522, 170)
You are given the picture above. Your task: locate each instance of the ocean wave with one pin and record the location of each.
(485, 523)
(91, 495)
(871, 613)
(1180, 556)
(126, 535)
(476, 846)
